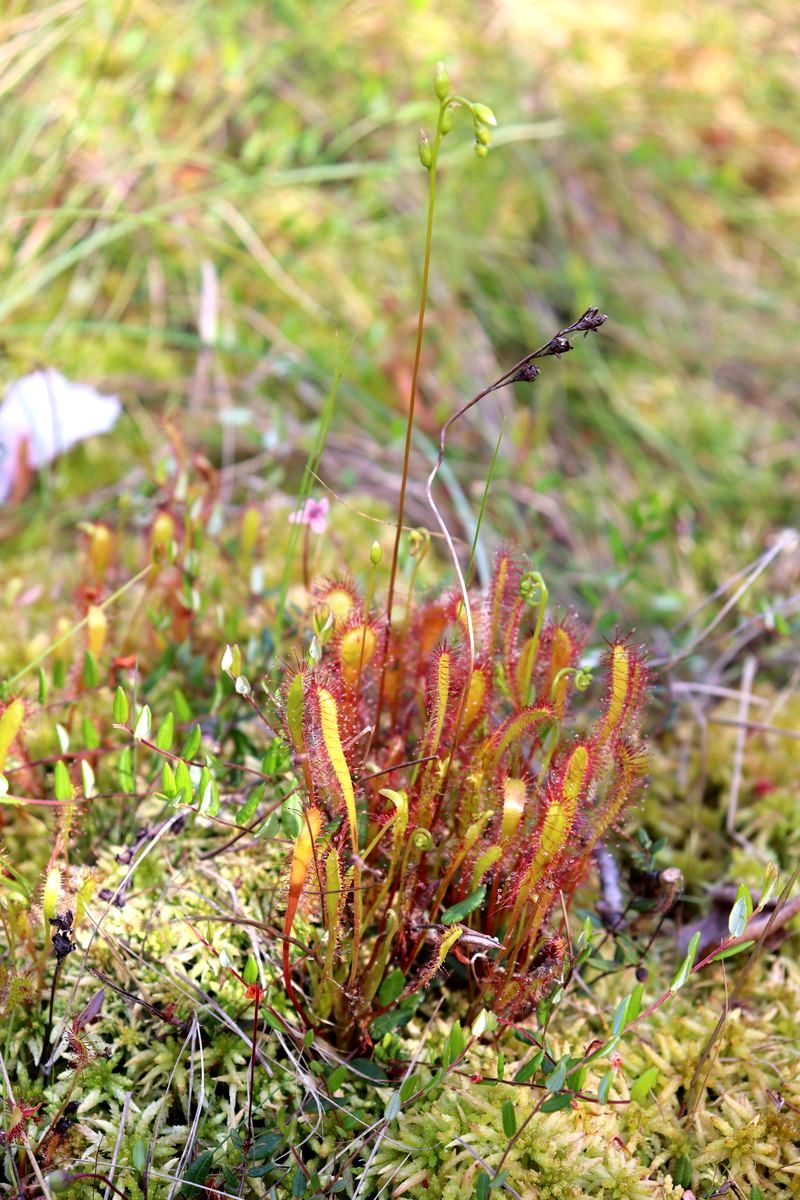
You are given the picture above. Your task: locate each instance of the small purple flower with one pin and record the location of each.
(314, 513)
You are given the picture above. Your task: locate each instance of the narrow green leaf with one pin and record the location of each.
(643, 1086)
(529, 1069)
(183, 782)
(730, 951)
(635, 1006)
(457, 912)
(120, 709)
(62, 785)
(556, 1103)
(482, 1186)
(247, 810)
(770, 885)
(391, 987)
(125, 770)
(168, 785)
(91, 672)
(393, 1106)
(685, 969)
(144, 723)
(554, 1082)
(336, 1078)
(741, 912)
(509, 1118)
(192, 743)
(89, 734)
(605, 1085)
(87, 779)
(166, 732)
(42, 687)
(620, 1016)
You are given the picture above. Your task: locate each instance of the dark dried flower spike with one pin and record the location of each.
(527, 374)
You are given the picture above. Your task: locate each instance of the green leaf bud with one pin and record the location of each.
(482, 113)
(441, 84)
(425, 152)
(481, 151)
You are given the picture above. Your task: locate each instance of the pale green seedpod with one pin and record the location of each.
(52, 890)
(375, 553)
(425, 152)
(250, 972)
(482, 113)
(441, 84)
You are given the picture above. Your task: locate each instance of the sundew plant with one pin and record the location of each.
(453, 791)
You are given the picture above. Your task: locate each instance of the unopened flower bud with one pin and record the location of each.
(481, 151)
(161, 535)
(441, 84)
(482, 113)
(101, 546)
(483, 135)
(425, 152)
(375, 553)
(96, 629)
(250, 530)
(447, 120)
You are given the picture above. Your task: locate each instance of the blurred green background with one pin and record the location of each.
(206, 207)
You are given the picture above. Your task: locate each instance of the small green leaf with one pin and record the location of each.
(730, 951)
(635, 1006)
(91, 672)
(391, 987)
(685, 969)
(247, 810)
(120, 709)
(457, 912)
(168, 785)
(620, 1016)
(554, 1082)
(576, 1079)
(192, 743)
(410, 1085)
(299, 1183)
(363, 1066)
(482, 1186)
(392, 1107)
(456, 1040)
(336, 1078)
(556, 1103)
(91, 738)
(485, 1022)
(605, 1085)
(770, 885)
(139, 1155)
(166, 732)
(144, 724)
(741, 912)
(62, 785)
(643, 1086)
(529, 1069)
(197, 1174)
(509, 1118)
(87, 779)
(183, 782)
(501, 1066)
(42, 687)
(125, 770)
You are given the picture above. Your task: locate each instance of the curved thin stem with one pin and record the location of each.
(412, 399)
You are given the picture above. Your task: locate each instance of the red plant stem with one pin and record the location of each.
(412, 399)
(252, 1072)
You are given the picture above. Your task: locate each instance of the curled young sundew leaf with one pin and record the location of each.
(511, 730)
